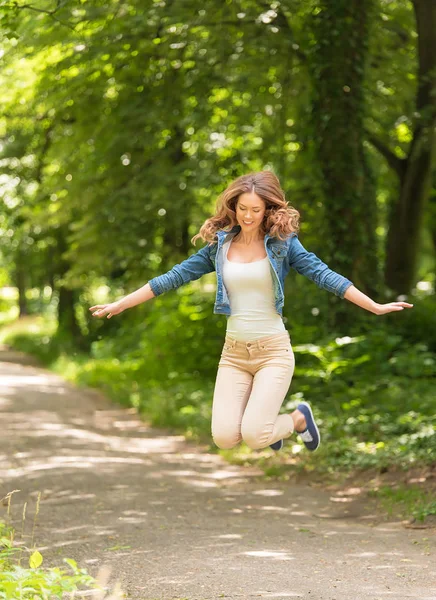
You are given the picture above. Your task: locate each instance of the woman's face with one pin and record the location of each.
(250, 211)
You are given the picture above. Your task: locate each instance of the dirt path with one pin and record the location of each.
(173, 522)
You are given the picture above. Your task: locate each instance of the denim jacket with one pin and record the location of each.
(282, 256)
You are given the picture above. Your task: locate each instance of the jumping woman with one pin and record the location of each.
(252, 245)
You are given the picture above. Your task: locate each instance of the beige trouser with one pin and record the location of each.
(252, 381)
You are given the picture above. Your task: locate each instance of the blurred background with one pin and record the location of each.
(122, 121)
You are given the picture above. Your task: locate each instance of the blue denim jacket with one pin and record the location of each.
(282, 256)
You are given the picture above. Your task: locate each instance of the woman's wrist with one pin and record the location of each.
(375, 308)
(121, 304)
(357, 297)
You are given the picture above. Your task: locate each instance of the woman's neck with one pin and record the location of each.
(248, 238)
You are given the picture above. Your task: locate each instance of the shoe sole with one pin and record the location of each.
(314, 424)
(277, 449)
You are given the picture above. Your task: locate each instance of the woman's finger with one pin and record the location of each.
(97, 306)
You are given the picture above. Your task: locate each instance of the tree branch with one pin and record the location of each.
(397, 164)
(51, 13)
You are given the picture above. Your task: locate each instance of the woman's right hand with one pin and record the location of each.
(101, 310)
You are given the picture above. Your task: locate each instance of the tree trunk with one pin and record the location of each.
(20, 282)
(337, 63)
(176, 238)
(67, 321)
(432, 214)
(415, 172)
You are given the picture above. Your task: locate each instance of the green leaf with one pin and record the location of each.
(35, 560)
(72, 563)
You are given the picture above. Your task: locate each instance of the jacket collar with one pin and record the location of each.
(222, 233)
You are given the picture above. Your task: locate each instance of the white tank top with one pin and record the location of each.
(251, 294)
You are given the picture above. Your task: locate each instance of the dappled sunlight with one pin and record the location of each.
(131, 445)
(224, 474)
(180, 473)
(63, 544)
(113, 487)
(68, 462)
(269, 554)
(274, 508)
(70, 529)
(134, 520)
(268, 493)
(45, 383)
(200, 483)
(340, 499)
(332, 533)
(133, 425)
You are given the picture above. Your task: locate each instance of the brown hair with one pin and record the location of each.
(280, 219)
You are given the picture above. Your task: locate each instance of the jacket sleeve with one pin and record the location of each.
(192, 268)
(308, 264)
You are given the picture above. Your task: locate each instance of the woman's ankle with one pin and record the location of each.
(299, 421)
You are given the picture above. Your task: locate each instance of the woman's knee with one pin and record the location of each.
(225, 441)
(255, 437)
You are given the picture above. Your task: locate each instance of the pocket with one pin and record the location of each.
(227, 347)
(279, 251)
(278, 349)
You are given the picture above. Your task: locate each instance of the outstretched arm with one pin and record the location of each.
(357, 297)
(139, 296)
(308, 264)
(192, 268)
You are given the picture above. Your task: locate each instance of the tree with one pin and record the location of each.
(413, 166)
(338, 57)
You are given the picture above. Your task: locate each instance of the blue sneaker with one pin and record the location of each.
(277, 445)
(310, 435)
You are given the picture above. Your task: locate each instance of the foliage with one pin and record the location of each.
(408, 501)
(372, 393)
(34, 581)
(122, 121)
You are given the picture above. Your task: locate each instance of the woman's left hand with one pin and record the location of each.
(383, 309)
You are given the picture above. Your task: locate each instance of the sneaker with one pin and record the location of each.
(277, 445)
(310, 435)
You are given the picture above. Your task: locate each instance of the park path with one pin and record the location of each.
(174, 522)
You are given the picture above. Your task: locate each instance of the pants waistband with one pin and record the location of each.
(258, 342)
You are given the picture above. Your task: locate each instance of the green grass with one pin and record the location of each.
(406, 502)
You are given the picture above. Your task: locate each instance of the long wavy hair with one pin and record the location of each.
(280, 218)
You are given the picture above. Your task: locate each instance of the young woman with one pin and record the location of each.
(252, 245)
